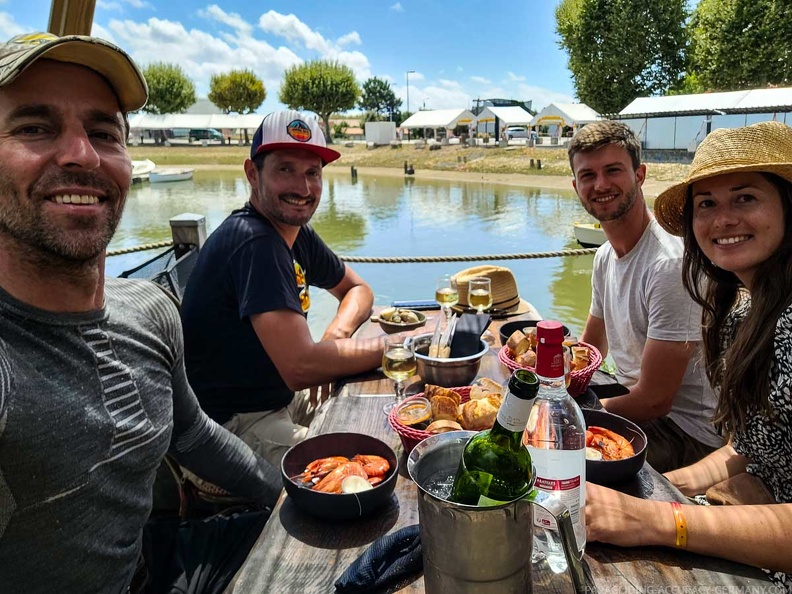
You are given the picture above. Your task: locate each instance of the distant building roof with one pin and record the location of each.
(439, 118)
(748, 101)
(507, 115)
(167, 121)
(565, 114)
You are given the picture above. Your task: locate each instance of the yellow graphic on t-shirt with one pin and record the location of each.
(302, 287)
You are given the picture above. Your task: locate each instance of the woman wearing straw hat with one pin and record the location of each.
(734, 212)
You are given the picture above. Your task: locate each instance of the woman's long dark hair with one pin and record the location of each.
(742, 373)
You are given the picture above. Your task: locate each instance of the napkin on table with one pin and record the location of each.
(388, 559)
(467, 335)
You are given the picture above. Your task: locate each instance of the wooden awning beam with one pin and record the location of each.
(71, 17)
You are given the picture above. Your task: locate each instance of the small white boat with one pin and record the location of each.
(589, 234)
(170, 174)
(141, 170)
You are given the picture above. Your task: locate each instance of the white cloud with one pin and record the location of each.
(543, 97)
(108, 5)
(119, 5)
(397, 7)
(139, 3)
(349, 38)
(9, 27)
(449, 84)
(514, 77)
(231, 19)
(480, 80)
(416, 76)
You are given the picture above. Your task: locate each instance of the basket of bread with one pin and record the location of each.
(471, 407)
(519, 352)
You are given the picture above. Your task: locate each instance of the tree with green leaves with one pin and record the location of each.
(378, 97)
(320, 86)
(170, 89)
(741, 44)
(622, 49)
(239, 91)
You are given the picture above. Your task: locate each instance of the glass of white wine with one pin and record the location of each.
(446, 294)
(480, 294)
(398, 363)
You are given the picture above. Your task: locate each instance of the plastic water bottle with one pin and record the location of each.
(556, 438)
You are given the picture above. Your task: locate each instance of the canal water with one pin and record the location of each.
(394, 216)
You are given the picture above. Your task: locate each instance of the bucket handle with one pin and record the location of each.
(561, 513)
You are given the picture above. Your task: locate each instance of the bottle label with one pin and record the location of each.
(562, 473)
(514, 412)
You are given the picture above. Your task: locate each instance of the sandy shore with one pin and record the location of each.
(651, 187)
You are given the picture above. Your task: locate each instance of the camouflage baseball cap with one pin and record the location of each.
(97, 54)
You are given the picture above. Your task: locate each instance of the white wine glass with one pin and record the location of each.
(446, 293)
(480, 294)
(399, 364)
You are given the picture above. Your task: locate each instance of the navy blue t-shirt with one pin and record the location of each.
(246, 268)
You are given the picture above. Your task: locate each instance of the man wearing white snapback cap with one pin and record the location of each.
(93, 391)
(248, 347)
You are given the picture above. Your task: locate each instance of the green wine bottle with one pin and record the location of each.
(496, 467)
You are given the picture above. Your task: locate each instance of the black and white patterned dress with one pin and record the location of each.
(767, 439)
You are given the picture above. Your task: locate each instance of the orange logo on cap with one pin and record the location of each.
(299, 130)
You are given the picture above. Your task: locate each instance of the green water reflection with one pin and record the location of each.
(388, 216)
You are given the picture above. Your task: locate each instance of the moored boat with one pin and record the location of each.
(141, 170)
(589, 234)
(170, 174)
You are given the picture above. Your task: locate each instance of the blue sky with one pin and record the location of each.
(459, 49)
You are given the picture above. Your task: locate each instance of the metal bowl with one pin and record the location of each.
(393, 327)
(343, 506)
(446, 372)
(608, 472)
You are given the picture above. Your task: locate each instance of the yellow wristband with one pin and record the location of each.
(681, 525)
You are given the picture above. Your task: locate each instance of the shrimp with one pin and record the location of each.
(320, 468)
(332, 482)
(375, 466)
(612, 445)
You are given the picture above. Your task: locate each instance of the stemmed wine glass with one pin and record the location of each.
(480, 294)
(398, 363)
(446, 294)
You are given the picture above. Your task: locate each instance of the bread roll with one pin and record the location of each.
(483, 387)
(478, 415)
(443, 426)
(443, 408)
(580, 358)
(430, 391)
(527, 359)
(518, 343)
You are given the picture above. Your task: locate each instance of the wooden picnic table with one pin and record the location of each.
(299, 553)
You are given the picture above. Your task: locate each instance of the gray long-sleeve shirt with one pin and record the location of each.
(89, 405)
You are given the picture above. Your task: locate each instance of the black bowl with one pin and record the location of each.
(609, 472)
(510, 328)
(333, 506)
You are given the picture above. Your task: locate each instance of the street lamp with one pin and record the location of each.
(407, 76)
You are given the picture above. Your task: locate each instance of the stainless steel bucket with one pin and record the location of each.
(486, 550)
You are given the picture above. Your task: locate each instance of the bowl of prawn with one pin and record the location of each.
(616, 438)
(313, 470)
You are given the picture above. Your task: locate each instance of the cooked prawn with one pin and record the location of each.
(373, 465)
(612, 445)
(332, 482)
(320, 468)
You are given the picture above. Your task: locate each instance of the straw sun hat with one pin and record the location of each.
(766, 146)
(505, 297)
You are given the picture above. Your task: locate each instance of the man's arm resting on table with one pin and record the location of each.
(721, 464)
(663, 366)
(301, 361)
(355, 300)
(594, 334)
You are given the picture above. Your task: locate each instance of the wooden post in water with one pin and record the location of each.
(187, 229)
(71, 17)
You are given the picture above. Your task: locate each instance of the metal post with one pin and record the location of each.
(407, 76)
(188, 229)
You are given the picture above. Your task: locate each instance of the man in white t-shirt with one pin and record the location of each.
(640, 311)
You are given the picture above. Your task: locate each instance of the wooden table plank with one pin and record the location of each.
(298, 553)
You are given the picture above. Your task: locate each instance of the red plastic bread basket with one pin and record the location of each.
(411, 437)
(580, 379)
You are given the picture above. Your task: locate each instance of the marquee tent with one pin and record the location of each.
(565, 114)
(219, 121)
(439, 118)
(503, 117)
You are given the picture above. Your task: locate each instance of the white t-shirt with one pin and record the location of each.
(641, 296)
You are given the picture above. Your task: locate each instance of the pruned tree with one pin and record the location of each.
(320, 86)
(239, 91)
(741, 44)
(170, 89)
(378, 97)
(622, 49)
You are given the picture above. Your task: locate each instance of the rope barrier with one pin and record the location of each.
(424, 259)
(139, 248)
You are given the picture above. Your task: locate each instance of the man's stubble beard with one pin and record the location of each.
(630, 199)
(43, 242)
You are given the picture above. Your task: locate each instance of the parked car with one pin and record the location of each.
(517, 132)
(204, 134)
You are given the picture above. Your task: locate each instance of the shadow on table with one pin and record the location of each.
(334, 534)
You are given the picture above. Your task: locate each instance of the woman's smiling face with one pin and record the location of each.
(738, 221)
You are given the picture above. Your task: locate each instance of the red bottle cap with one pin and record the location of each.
(549, 352)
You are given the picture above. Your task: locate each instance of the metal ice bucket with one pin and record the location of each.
(486, 550)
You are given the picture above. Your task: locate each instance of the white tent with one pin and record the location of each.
(439, 118)
(508, 116)
(219, 121)
(755, 100)
(565, 114)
